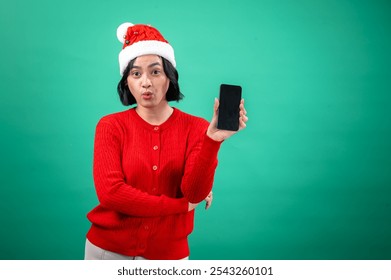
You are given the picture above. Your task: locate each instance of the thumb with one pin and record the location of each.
(216, 105)
(215, 112)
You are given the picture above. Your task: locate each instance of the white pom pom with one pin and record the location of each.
(121, 31)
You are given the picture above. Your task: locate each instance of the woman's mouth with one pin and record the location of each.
(146, 95)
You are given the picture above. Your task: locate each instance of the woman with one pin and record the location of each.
(153, 164)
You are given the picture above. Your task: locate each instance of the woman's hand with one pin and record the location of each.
(192, 206)
(208, 200)
(220, 135)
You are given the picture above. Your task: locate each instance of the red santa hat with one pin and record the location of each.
(140, 39)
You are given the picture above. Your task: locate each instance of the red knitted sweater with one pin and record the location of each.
(144, 177)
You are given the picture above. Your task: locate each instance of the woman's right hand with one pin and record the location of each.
(220, 135)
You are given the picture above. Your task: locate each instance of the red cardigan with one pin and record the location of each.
(144, 177)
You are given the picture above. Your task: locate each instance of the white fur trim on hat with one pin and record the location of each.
(145, 47)
(121, 31)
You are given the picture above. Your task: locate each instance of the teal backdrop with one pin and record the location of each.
(310, 177)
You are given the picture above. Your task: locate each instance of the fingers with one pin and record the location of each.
(192, 206)
(241, 106)
(243, 115)
(242, 124)
(209, 200)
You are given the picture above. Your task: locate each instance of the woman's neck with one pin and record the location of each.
(155, 116)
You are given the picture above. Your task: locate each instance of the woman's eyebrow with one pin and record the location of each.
(154, 64)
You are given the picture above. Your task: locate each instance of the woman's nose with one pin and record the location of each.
(146, 82)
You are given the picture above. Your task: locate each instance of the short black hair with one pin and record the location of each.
(173, 92)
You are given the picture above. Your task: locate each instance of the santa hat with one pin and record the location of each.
(140, 39)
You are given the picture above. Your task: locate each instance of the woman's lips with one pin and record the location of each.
(146, 95)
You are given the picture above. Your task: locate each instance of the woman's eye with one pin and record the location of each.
(156, 72)
(136, 74)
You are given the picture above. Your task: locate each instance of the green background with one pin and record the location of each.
(310, 177)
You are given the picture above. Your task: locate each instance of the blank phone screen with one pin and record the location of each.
(228, 118)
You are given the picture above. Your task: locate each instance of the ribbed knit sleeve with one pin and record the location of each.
(200, 169)
(112, 191)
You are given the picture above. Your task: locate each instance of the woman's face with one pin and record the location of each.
(147, 81)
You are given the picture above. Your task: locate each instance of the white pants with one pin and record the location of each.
(93, 252)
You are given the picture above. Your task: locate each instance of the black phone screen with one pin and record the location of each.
(228, 118)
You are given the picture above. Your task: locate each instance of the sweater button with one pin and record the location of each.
(155, 147)
(156, 128)
(154, 167)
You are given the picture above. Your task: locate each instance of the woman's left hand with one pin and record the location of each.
(220, 135)
(209, 200)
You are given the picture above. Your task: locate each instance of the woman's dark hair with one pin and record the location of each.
(173, 92)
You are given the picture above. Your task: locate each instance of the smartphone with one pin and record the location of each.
(230, 96)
